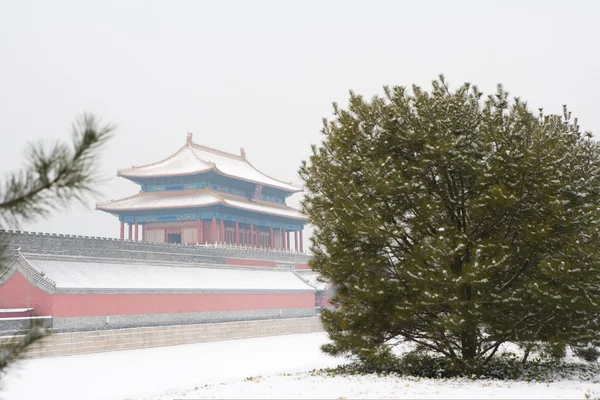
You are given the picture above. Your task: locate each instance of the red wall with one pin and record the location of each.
(260, 263)
(323, 301)
(249, 263)
(72, 305)
(17, 293)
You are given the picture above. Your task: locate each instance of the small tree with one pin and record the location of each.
(455, 223)
(51, 179)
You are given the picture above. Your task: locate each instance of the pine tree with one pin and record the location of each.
(50, 180)
(455, 222)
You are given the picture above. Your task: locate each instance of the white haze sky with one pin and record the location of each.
(262, 74)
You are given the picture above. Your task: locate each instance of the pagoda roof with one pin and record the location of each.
(193, 159)
(196, 198)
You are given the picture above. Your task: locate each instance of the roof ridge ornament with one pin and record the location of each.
(243, 153)
(189, 137)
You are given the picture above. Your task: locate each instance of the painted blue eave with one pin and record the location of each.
(207, 213)
(214, 178)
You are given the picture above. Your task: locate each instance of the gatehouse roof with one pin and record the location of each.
(193, 159)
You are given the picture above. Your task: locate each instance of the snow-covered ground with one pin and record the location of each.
(169, 370)
(372, 387)
(271, 367)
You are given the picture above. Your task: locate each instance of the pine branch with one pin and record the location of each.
(47, 183)
(52, 178)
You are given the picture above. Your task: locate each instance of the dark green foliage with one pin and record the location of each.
(51, 179)
(505, 367)
(588, 353)
(455, 223)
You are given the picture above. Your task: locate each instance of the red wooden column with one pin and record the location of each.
(237, 233)
(251, 235)
(271, 238)
(143, 232)
(301, 246)
(222, 232)
(122, 235)
(130, 231)
(213, 230)
(198, 231)
(296, 240)
(136, 231)
(289, 243)
(283, 242)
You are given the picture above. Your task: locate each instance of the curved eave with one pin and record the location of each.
(303, 219)
(152, 208)
(135, 178)
(277, 183)
(296, 190)
(223, 202)
(135, 173)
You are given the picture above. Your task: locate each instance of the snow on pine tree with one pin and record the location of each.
(456, 223)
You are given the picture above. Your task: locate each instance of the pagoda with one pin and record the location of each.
(203, 196)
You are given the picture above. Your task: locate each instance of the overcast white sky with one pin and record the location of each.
(262, 75)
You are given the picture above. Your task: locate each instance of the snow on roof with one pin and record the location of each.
(162, 200)
(194, 159)
(196, 198)
(97, 275)
(312, 278)
(183, 162)
(264, 207)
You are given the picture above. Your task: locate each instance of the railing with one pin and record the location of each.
(228, 246)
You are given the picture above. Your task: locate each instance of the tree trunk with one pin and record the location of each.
(527, 351)
(469, 347)
(468, 336)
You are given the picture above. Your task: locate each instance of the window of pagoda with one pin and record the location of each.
(264, 238)
(245, 235)
(277, 239)
(229, 233)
